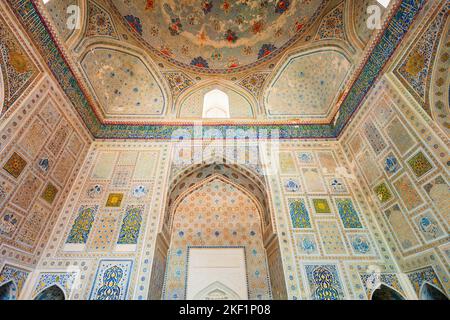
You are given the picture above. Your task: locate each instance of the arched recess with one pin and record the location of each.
(189, 105)
(439, 95)
(57, 10)
(240, 178)
(129, 102)
(385, 292)
(8, 291)
(430, 292)
(217, 291)
(53, 292)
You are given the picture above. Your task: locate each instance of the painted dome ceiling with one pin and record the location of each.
(142, 64)
(218, 35)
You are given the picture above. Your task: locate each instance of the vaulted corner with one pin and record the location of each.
(308, 85)
(123, 83)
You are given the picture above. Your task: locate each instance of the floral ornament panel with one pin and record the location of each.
(17, 68)
(391, 165)
(94, 191)
(112, 280)
(178, 81)
(305, 157)
(218, 35)
(420, 164)
(139, 191)
(383, 193)
(49, 193)
(348, 214)
(82, 225)
(131, 225)
(114, 200)
(332, 25)
(429, 226)
(299, 214)
(414, 70)
(99, 22)
(15, 165)
(361, 244)
(337, 185)
(9, 223)
(306, 244)
(324, 282)
(321, 206)
(43, 164)
(292, 185)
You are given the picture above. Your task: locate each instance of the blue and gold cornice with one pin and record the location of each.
(53, 54)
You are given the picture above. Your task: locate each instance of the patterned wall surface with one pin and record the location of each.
(41, 150)
(404, 162)
(106, 230)
(330, 232)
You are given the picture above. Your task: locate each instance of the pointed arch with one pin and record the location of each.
(53, 292)
(429, 291)
(385, 292)
(8, 291)
(217, 291)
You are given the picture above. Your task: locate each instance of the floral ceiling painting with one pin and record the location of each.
(218, 35)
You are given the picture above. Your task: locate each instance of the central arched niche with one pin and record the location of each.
(236, 215)
(217, 213)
